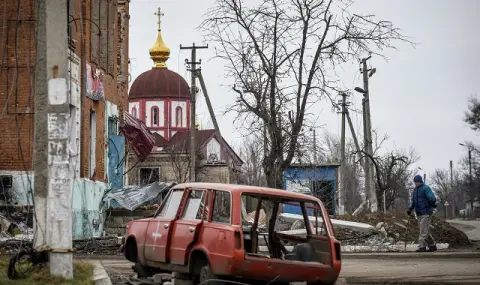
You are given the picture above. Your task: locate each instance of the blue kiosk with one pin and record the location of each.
(319, 180)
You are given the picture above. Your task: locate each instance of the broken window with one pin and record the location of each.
(93, 142)
(149, 175)
(155, 116)
(221, 207)
(271, 231)
(195, 204)
(170, 206)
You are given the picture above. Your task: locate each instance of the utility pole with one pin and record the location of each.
(193, 90)
(315, 161)
(367, 126)
(53, 175)
(342, 176)
(451, 190)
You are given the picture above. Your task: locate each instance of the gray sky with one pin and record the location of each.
(418, 97)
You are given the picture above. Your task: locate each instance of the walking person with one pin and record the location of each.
(423, 201)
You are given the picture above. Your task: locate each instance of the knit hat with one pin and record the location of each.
(418, 179)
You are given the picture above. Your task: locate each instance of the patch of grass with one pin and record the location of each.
(82, 275)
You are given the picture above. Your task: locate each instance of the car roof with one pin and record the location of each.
(245, 188)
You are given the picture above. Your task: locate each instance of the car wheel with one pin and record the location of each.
(207, 274)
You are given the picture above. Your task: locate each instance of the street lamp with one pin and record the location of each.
(360, 90)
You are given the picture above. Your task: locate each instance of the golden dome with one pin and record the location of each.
(159, 53)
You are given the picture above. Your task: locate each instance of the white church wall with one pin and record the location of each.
(173, 109)
(148, 113)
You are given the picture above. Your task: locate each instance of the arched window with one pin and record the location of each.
(179, 116)
(155, 116)
(134, 112)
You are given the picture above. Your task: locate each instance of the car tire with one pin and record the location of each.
(207, 274)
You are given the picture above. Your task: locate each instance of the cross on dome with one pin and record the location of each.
(159, 14)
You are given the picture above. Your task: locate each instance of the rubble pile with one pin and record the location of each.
(393, 229)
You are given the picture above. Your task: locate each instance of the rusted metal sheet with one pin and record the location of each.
(138, 135)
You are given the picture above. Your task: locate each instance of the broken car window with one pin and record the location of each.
(170, 207)
(221, 207)
(316, 219)
(195, 203)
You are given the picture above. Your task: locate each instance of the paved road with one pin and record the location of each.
(361, 270)
(461, 271)
(470, 228)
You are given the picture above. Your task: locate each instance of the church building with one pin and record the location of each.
(161, 98)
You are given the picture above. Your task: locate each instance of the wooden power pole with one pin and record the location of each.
(53, 171)
(193, 90)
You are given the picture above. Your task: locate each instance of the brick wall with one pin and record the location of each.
(16, 115)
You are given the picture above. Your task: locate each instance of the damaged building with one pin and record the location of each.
(98, 91)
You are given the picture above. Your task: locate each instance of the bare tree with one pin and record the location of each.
(472, 115)
(392, 172)
(282, 56)
(179, 159)
(448, 187)
(252, 171)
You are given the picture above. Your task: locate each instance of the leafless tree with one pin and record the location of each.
(252, 171)
(179, 159)
(447, 187)
(282, 56)
(392, 173)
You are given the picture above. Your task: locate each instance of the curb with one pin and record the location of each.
(100, 276)
(372, 281)
(411, 255)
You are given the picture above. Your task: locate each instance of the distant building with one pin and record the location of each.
(161, 99)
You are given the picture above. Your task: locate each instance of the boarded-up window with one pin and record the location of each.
(104, 37)
(95, 32)
(103, 34)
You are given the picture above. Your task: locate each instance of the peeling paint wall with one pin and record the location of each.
(20, 187)
(87, 217)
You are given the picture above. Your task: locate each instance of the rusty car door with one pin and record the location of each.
(159, 228)
(186, 229)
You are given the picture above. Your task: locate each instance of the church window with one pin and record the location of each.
(179, 116)
(134, 112)
(155, 116)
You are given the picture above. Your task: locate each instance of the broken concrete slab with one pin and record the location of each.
(336, 223)
(386, 247)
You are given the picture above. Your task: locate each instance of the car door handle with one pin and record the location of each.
(191, 229)
(165, 226)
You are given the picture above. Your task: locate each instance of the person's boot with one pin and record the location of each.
(421, 249)
(432, 248)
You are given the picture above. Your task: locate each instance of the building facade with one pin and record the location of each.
(161, 98)
(98, 90)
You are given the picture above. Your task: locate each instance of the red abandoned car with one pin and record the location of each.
(205, 230)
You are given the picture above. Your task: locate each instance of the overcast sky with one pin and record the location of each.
(418, 97)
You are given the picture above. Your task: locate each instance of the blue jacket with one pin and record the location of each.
(423, 200)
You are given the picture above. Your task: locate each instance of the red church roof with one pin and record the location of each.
(159, 83)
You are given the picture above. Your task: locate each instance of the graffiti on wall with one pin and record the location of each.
(94, 85)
